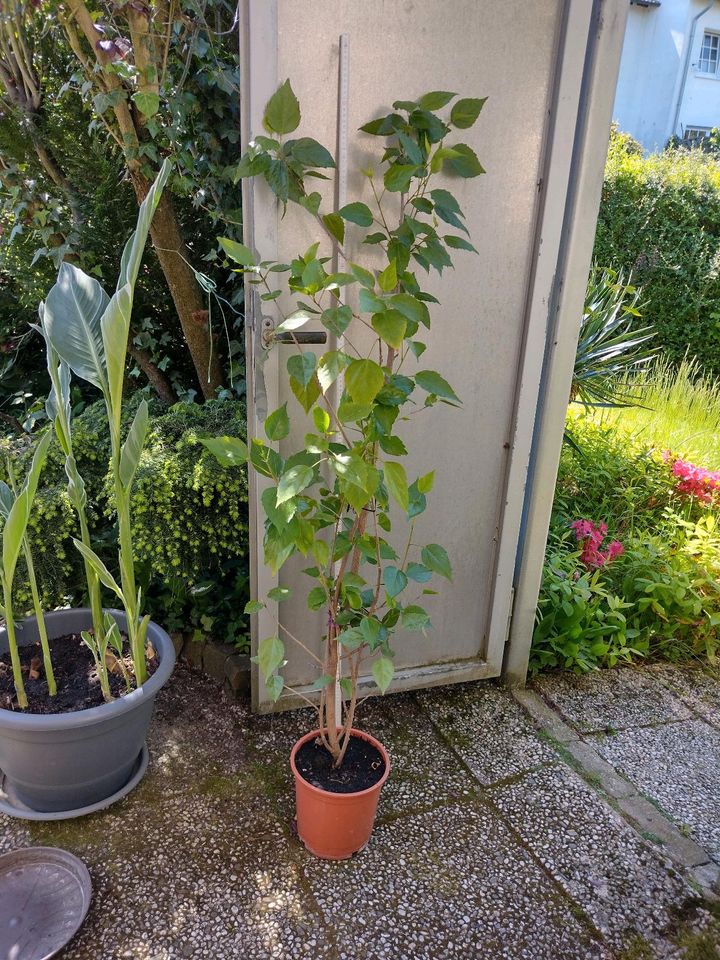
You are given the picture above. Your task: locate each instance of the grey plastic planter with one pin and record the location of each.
(73, 760)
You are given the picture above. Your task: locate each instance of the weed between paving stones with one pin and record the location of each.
(78, 686)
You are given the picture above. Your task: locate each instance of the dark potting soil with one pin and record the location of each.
(78, 686)
(362, 766)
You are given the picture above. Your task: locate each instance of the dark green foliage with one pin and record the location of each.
(190, 529)
(660, 219)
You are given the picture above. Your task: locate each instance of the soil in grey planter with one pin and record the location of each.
(59, 762)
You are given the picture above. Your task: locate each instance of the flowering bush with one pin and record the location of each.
(591, 538)
(656, 594)
(694, 481)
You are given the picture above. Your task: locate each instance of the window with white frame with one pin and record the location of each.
(696, 133)
(708, 62)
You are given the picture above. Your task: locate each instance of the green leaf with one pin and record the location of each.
(336, 225)
(275, 686)
(282, 113)
(395, 581)
(396, 482)
(337, 319)
(317, 598)
(432, 382)
(398, 177)
(293, 481)
(301, 366)
(387, 280)
(253, 606)
(147, 102)
(73, 311)
(364, 276)
(277, 425)
(270, 656)
(266, 461)
(466, 111)
(278, 594)
(351, 639)
(364, 379)
(459, 243)
(467, 164)
(103, 574)
(229, 451)
(414, 618)
(435, 100)
(133, 446)
(383, 671)
(13, 534)
(324, 681)
(390, 326)
(311, 202)
(425, 483)
(436, 559)
(330, 367)
(418, 572)
(322, 419)
(369, 302)
(308, 394)
(294, 321)
(349, 412)
(237, 252)
(321, 551)
(133, 249)
(114, 328)
(358, 213)
(411, 308)
(310, 152)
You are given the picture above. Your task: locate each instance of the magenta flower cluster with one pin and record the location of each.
(591, 538)
(694, 481)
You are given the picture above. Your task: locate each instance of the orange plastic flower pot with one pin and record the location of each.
(334, 826)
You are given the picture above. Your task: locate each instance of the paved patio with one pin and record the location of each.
(578, 819)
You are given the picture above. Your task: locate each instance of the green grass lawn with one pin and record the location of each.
(679, 411)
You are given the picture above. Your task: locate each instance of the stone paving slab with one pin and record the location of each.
(623, 885)
(611, 699)
(450, 884)
(694, 686)
(487, 845)
(487, 729)
(678, 767)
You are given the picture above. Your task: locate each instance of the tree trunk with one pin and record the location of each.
(173, 256)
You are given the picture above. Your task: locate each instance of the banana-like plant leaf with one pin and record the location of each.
(132, 254)
(18, 515)
(7, 499)
(13, 534)
(71, 320)
(99, 567)
(115, 327)
(133, 446)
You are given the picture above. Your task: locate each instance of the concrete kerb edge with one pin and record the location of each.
(642, 816)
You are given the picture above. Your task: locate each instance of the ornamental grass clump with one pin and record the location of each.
(337, 498)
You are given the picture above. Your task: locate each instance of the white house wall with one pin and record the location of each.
(651, 70)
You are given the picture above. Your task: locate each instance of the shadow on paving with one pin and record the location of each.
(487, 843)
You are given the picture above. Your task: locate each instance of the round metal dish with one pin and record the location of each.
(13, 807)
(44, 898)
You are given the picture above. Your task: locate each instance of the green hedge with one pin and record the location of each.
(190, 518)
(660, 218)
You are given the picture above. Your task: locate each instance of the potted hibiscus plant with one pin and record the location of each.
(72, 739)
(337, 500)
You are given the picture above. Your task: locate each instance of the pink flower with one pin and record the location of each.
(591, 538)
(694, 481)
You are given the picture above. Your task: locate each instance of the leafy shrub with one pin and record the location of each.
(660, 219)
(657, 596)
(190, 518)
